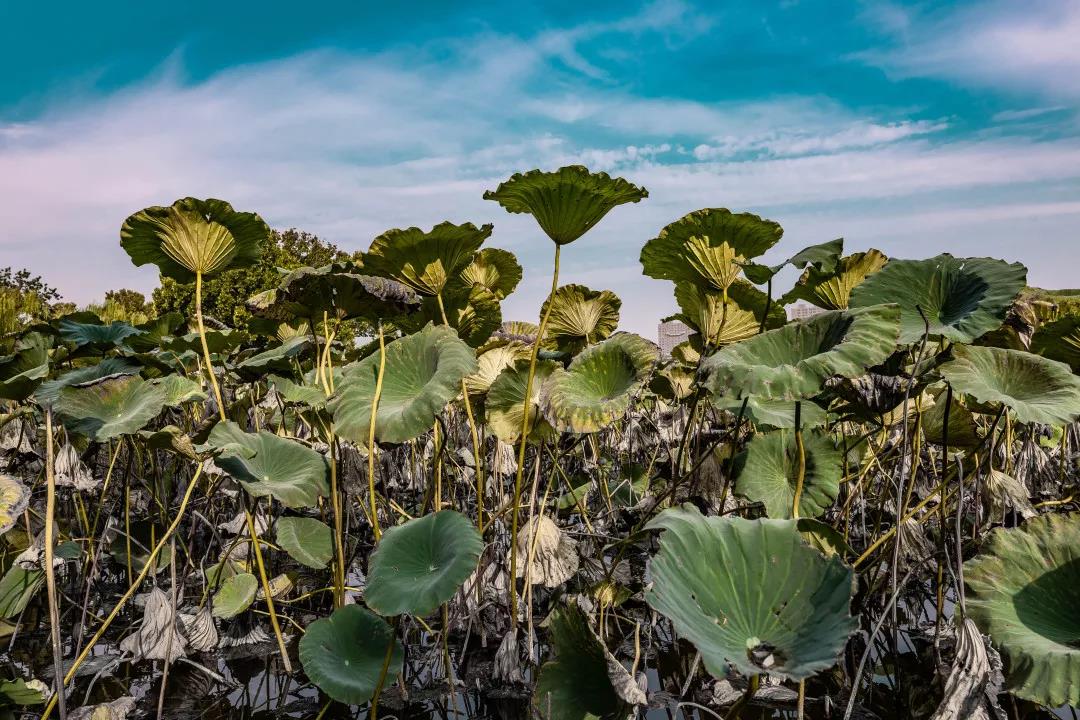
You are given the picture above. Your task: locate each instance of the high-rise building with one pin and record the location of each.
(670, 334)
(801, 311)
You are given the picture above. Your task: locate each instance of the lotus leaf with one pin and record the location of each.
(278, 358)
(153, 331)
(420, 564)
(17, 589)
(235, 595)
(823, 257)
(14, 497)
(110, 407)
(832, 290)
(519, 330)
(307, 540)
(425, 261)
(24, 370)
(566, 203)
(473, 311)
(505, 402)
(580, 317)
(750, 593)
(493, 269)
(95, 334)
(779, 414)
(770, 473)
(492, 360)
(723, 318)
(266, 464)
(339, 289)
(345, 653)
(49, 391)
(1059, 340)
(180, 390)
(961, 298)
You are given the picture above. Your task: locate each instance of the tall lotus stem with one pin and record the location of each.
(371, 436)
(205, 347)
(525, 438)
(267, 591)
(800, 452)
(50, 572)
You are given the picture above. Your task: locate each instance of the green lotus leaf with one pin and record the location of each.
(566, 203)
(419, 565)
(22, 371)
(96, 335)
(963, 431)
(1059, 340)
(1023, 594)
(793, 362)
(473, 311)
(14, 497)
(770, 473)
(962, 298)
(297, 393)
(344, 654)
(152, 332)
(110, 407)
(823, 257)
(192, 236)
(425, 261)
(832, 290)
(493, 269)
(49, 391)
(339, 289)
(1035, 388)
(217, 341)
(750, 593)
(180, 390)
(576, 497)
(673, 382)
(708, 247)
(631, 486)
(423, 373)
(279, 358)
(307, 540)
(721, 320)
(505, 402)
(778, 414)
(575, 685)
(235, 595)
(17, 589)
(280, 330)
(18, 692)
(266, 464)
(597, 387)
(491, 361)
(580, 316)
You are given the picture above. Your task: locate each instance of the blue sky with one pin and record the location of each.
(916, 128)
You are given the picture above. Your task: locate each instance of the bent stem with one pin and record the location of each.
(50, 571)
(267, 591)
(205, 347)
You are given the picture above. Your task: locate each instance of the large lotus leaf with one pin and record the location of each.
(492, 360)
(419, 565)
(793, 362)
(49, 391)
(345, 653)
(95, 334)
(425, 261)
(724, 318)
(580, 316)
(110, 407)
(779, 414)
(770, 473)
(180, 390)
(575, 685)
(473, 311)
(505, 402)
(266, 464)
(1059, 340)
(493, 269)
(14, 497)
(338, 289)
(22, 371)
(235, 595)
(153, 331)
(832, 290)
(823, 257)
(217, 341)
(961, 298)
(192, 236)
(708, 247)
(750, 593)
(423, 373)
(279, 358)
(1024, 591)
(599, 384)
(300, 393)
(307, 540)
(566, 203)
(1035, 388)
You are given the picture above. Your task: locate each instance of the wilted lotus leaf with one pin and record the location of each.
(770, 473)
(170, 438)
(280, 586)
(307, 540)
(96, 335)
(493, 269)
(22, 371)
(575, 685)
(194, 236)
(567, 202)
(160, 637)
(722, 319)
(870, 395)
(14, 497)
(22, 692)
(832, 290)
(505, 402)
(71, 471)
(200, 631)
(708, 247)
(1023, 593)
(423, 373)
(419, 565)
(340, 289)
(1004, 491)
(580, 316)
(554, 558)
(822, 257)
(750, 593)
(493, 358)
(673, 382)
(1059, 340)
(118, 709)
(961, 298)
(779, 414)
(597, 388)
(235, 595)
(49, 391)
(518, 330)
(1034, 388)
(110, 407)
(425, 261)
(793, 362)
(344, 654)
(473, 311)
(266, 464)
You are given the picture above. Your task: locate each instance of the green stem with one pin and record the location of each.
(50, 571)
(205, 347)
(800, 451)
(371, 436)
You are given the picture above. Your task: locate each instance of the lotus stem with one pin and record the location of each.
(205, 347)
(800, 452)
(339, 544)
(50, 571)
(371, 436)
(286, 663)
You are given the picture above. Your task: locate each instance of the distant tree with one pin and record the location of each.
(131, 301)
(23, 299)
(26, 284)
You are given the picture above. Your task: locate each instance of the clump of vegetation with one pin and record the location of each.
(864, 513)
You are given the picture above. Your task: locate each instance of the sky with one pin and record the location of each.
(912, 127)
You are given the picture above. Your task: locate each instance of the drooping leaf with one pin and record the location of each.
(492, 359)
(493, 269)
(770, 473)
(832, 290)
(344, 654)
(1059, 340)
(580, 317)
(307, 540)
(823, 257)
(26, 368)
(425, 261)
(110, 407)
(339, 289)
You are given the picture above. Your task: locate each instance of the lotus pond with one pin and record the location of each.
(866, 513)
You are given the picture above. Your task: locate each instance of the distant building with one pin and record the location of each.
(801, 311)
(670, 334)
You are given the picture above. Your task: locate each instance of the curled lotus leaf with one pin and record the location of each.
(194, 236)
(580, 316)
(794, 361)
(26, 368)
(770, 473)
(1023, 594)
(1059, 340)
(494, 269)
(750, 593)
(96, 335)
(519, 330)
(963, 430)
(423, 373)
(49, 391)
(344, 654)
(832, 290)
(708, 247)
(722, 318)
(473, 311)
(1034, 388)
(597, 387)
(566, 203)
(14, 497)
(549, 556)
(491, 361)
(420, 564)
(505, 402)
(110, 407)
(823, 257)
(425, 261)
(339, 289)
(961, 298)
(161, 634)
